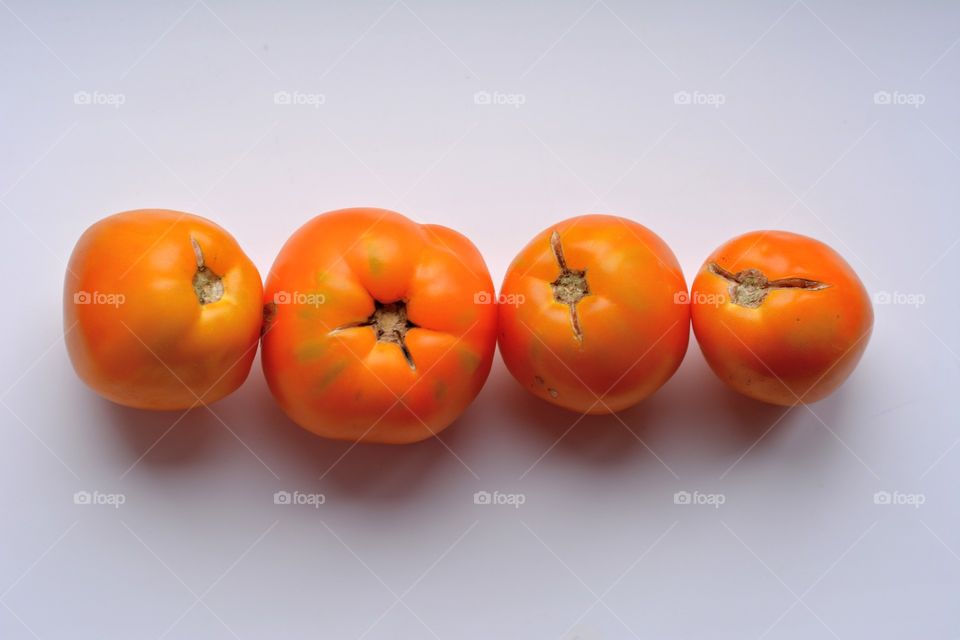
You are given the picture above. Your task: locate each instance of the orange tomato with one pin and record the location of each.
(378, 329)
(594, 314)
(780, 317)
(161, 310)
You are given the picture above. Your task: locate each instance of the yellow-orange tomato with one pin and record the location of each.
(780, 317)
(161, 309)
(594, 314)
(378, 329)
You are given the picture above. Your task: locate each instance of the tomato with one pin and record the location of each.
(161, 310)
(594, 314)
(378, 329)
(780, 317)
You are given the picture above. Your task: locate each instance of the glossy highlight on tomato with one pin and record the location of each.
(594, 314)
(780, 317)
(378, 329)
(161, 310)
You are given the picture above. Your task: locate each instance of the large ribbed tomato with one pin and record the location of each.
(594, 314)
(162, 310)
(780, 317)
(378, 329)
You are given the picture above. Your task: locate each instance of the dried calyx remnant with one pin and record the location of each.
(390, 322)
(206, 284)
(570, 287)
(749, 288)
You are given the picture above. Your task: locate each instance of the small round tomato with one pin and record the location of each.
(377, 329)
(594, 314)
(780, 317)
(161, 310)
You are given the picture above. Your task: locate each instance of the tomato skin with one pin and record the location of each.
(797, 345)
(339, 380)
(635, 320)
(135, 329)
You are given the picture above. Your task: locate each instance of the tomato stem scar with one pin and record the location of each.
(206, 284)
(570, 287)
(390, 323)
(749, 288)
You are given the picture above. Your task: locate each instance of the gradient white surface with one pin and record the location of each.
(583, 118)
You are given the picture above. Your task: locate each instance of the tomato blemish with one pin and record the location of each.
(570, 287)
(206, 284)
(750, 287)
(390, 323)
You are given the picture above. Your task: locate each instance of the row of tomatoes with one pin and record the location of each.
(376, 328)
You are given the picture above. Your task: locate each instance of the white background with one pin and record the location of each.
(799, 549)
